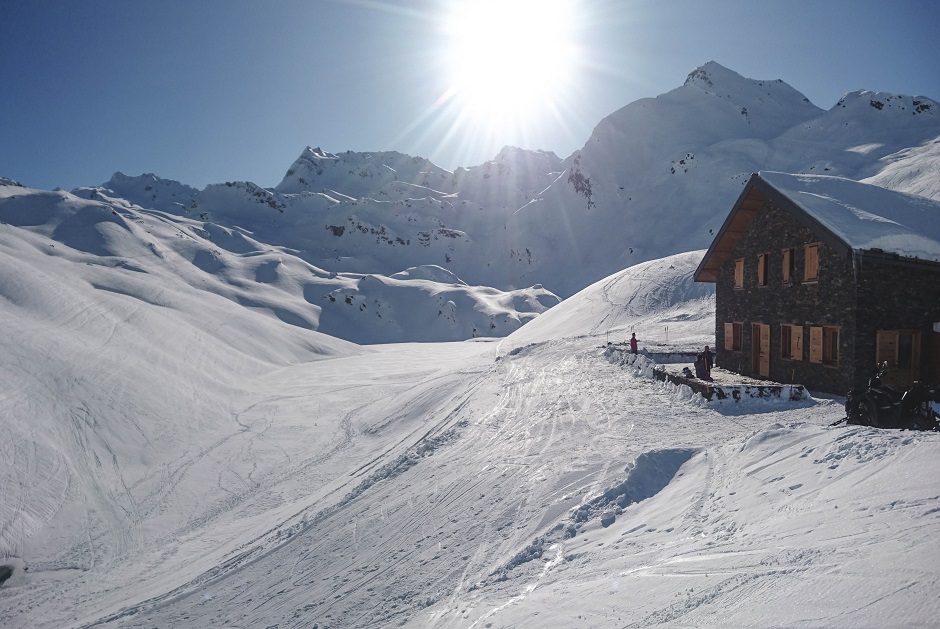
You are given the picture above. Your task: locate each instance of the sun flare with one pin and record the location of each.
(509, 58)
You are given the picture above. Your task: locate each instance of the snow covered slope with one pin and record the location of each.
(912, 170)
(661, 290)
(132, 245)
(182, 446)
(172, 458)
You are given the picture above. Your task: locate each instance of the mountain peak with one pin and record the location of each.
(146, 190)
(712, 73)
(317, 153)
(869, 102)
(316, 170)
(714, 78)
(6, 181)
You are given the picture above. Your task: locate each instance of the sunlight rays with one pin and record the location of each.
(507, 68)
(508, 60)
(506, 57)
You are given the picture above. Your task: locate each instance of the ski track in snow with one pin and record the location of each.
(451, 474)
(527, 438)
(179, 448)
(520, 483)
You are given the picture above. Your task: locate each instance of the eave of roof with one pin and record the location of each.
(756, 192)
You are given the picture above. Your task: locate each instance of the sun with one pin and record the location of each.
(509, 59)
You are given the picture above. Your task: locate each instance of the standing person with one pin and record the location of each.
(633, 343)
(709, 357)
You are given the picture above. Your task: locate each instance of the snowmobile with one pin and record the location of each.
(882, 406)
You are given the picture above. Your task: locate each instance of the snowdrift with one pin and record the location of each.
(424, 303)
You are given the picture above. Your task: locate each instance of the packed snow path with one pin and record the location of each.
(507, 452)
(457, 475)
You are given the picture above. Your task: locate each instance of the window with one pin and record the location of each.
(811, 268)
(886, 348)
(791, 341)
(762, 269)
(899, 348)
(824, 345)
(788, 260)
(733, 336)
(739, 273)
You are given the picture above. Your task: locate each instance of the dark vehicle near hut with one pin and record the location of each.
(883, 406)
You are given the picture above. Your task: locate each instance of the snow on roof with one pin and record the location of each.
(865, 216)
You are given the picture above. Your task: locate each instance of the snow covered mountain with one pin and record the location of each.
(659, 176)
(211, 414)
(339, 230)
(528, 217)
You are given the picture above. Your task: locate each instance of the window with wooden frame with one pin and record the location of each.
(788, 266)
(899, 348)
(811, 263)
(886, 347)
(734, 333)
(739, 273)
(824, 345)
(762, 269)
(791, 341)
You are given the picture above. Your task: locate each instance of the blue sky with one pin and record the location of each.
(206, 91)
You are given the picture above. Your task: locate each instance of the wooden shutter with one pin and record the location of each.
(886, 348)
(815, 345)
(729, 336)
(762, 270)
(739, 273)
(796, 342)
(786, 265)
(811, 272)
(764, 350)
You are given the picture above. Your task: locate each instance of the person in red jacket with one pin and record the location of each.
(633, 343)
